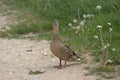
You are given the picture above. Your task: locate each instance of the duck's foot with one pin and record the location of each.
(60, 65)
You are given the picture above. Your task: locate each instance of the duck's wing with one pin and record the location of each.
(66, 49)
(71, 51)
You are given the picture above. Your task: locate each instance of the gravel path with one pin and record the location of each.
(18, 57)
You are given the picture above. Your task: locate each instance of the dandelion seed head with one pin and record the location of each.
(99, 27)
(110, 29)
(84, 20)
(70, 24)
(74, 20)
(109, 61)
(82, 23)
(96, 37)
(88, 15)
(113, 49)
(109, 23)
(98, 7)
(84, 16)
(78, 27)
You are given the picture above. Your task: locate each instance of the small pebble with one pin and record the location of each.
(45, 54)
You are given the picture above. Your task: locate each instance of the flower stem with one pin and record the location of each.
(101, 38)
(78, 15)
(110, 37)
(95, 43)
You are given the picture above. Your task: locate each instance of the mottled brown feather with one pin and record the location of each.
(61, 50)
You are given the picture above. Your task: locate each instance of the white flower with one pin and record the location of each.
(99, 26)
(70, 24)
(109, 61)
(98, 7)
(84, 16)
(109, 23)
(88, 15)
(78, 27)
(81, 23)
(84, 20)
(110, 29)
(108, 44)
(96, 37)
(74, 20)
(113, 49)
(73, 27)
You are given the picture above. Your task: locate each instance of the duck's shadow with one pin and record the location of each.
(67, 66)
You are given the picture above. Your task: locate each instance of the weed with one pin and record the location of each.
(36, 72)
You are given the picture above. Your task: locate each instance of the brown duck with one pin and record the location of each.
(59, 49)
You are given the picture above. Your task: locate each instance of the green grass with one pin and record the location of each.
(39, 15)
(106, 72)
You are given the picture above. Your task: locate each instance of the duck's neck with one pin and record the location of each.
(56, 36)
(56, 33)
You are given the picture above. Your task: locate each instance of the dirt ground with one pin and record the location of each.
(18, 57)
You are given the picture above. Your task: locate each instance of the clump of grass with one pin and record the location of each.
(103, 71)
(101, 44)
(36, 72)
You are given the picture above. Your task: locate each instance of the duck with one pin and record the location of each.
(62, 51)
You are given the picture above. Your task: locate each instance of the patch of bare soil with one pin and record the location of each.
(19, 57)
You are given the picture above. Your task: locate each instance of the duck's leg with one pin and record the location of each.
(60, 64)
(65, 64)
